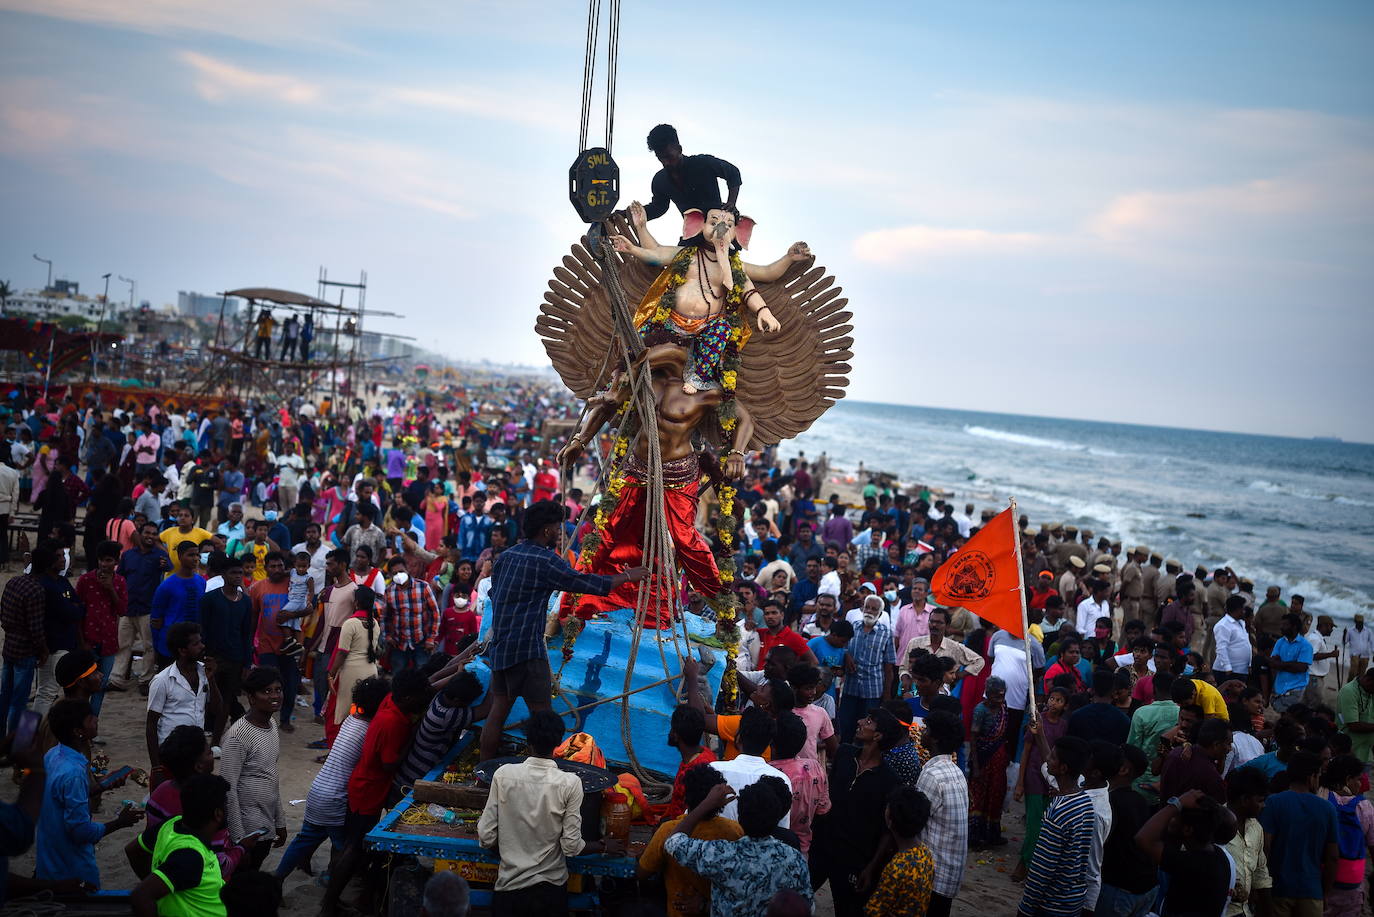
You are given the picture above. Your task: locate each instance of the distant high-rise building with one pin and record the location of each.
(200, 305)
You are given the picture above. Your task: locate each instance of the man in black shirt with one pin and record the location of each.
(690, 182)
(1129, 880)
(229, 626)
(1101, 719)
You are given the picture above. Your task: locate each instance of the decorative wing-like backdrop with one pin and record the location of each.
(786, 380)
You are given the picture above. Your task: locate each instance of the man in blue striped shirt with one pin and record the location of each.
(1058, 875)
(523, 579)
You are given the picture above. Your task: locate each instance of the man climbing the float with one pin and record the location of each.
(696, 300)
(618, 546)
(690, 182)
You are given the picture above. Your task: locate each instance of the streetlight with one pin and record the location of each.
(95, 345)
(49, 264)
(132, 284)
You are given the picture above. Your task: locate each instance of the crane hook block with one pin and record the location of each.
(594, 184)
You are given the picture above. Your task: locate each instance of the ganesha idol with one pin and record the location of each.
(714, 400)
(703, 282)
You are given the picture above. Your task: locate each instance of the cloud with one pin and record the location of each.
(217, 80)
(906, 244)
(533, 107)
(1158, 213)
(259, 21)
(32, 129)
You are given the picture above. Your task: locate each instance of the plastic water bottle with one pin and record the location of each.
(447, 816)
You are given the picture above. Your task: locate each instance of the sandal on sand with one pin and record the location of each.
(321, 759)
(318, 743)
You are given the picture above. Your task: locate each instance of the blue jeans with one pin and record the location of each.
(16, 681)
(408, 659)
(305, 843)
(290, 681)
(1117, 902)
(105, 665)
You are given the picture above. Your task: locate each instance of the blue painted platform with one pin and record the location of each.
(597, 670)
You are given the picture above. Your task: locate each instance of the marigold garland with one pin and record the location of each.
(724, 602)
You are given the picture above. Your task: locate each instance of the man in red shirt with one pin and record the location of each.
(775, 633)
(545, 482)
(384, 749)
(277, 631)
(106, 595)
(684, 734)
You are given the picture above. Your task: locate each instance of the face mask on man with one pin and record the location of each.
(890, 595)
(270, 515)
(401, 578)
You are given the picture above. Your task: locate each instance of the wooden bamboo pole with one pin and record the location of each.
(1025, 617)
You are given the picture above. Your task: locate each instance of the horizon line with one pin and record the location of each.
(1124, 423)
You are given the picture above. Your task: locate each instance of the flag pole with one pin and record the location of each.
(1025, 617)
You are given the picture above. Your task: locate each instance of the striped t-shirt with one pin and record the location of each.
(327, 801)
(438, 731)
(1059, 867)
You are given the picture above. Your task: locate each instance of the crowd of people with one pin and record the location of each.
(245, 569)
(1171, 738)
(1177, 745)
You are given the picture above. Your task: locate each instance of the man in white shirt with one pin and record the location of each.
(873, 605)
(1323, 651)
(180, 693)
(755, 734)
(9, 504)
(1232, 642)
(965, 522)
(1093, 607)
(769, 549)
(1009, 664)
(830, 579)
(533, 818)
(318, 551)
(1359, 642)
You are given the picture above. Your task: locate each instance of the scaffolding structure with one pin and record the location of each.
(233, 371)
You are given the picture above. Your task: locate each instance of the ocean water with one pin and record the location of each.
(1294, 513)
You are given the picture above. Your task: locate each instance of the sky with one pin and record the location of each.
(1156, 213)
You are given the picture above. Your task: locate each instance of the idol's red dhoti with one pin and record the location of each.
(622, 546)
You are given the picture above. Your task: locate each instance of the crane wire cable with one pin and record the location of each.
(658, 556)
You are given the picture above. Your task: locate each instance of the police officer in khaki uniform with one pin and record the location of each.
(1149, 593)
(1070, 548)
(1167, 587)
(1069, 580)
(1218, 591)
(1132, 584)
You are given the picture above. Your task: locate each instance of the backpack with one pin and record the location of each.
(1350, 843)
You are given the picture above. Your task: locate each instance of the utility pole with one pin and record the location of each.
(49, 264)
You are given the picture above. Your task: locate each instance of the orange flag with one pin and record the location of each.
(984, 576)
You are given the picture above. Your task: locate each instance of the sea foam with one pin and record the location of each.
(1022, 439)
